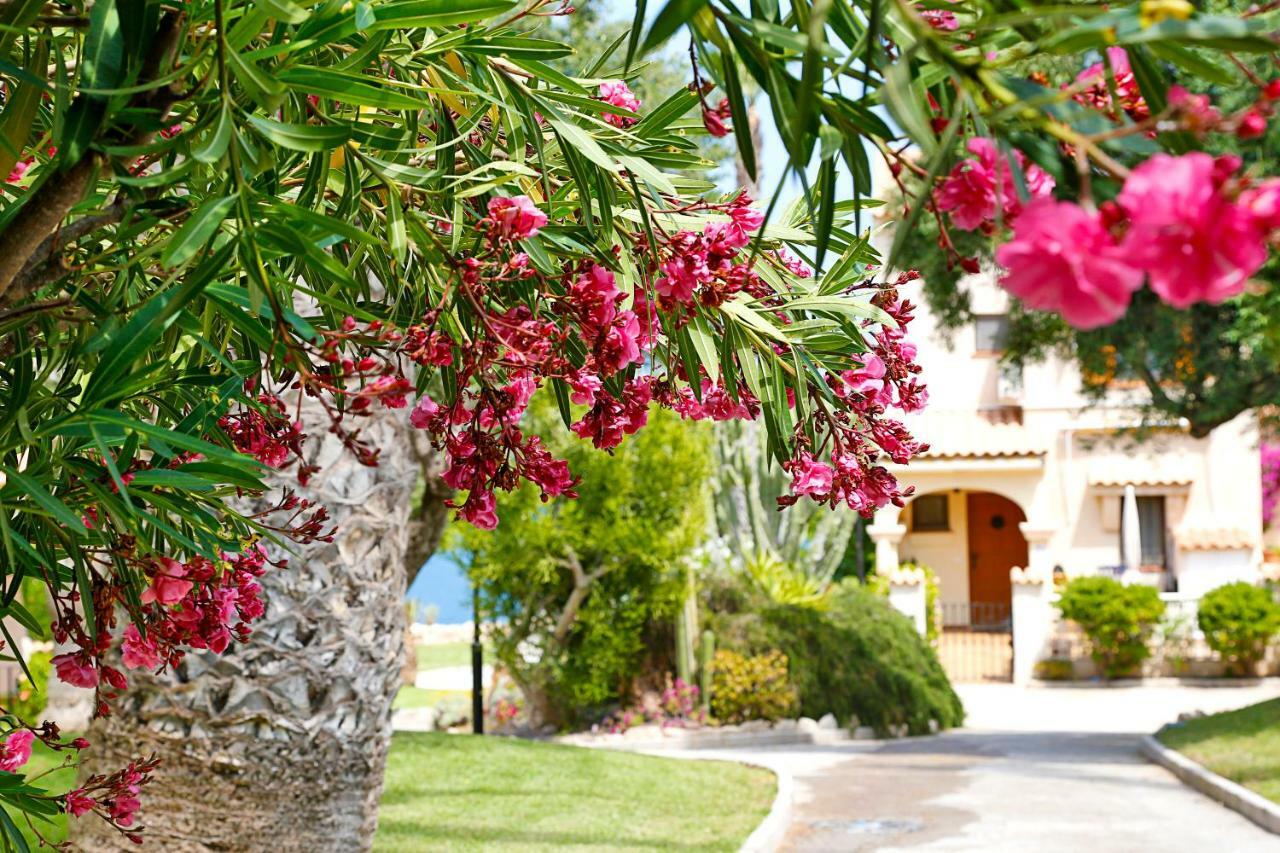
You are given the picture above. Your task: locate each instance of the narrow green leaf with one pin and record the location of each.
(197, 231)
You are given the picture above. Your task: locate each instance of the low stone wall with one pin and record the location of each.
(751, 734)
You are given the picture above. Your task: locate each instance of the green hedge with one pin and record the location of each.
(856, 657)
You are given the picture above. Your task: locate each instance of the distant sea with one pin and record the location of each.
(442, 582)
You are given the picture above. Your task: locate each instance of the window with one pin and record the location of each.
(991, 332)
(929, 513)
(1151, 529)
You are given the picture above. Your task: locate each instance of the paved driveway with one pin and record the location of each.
(1036, 769)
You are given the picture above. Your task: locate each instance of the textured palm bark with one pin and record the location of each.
(281, 743)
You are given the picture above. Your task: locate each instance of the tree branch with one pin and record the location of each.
(45, 209)
(582, 582)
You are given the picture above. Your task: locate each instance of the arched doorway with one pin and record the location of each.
(996, 545)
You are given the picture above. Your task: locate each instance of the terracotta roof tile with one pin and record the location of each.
(958, 434)
(1209, 539)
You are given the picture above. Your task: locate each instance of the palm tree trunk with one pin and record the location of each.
(281, 743)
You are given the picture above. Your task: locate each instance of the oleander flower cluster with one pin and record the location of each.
(1192, 227)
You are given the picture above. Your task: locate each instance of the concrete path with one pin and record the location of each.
(1036, 770)
(450, 677)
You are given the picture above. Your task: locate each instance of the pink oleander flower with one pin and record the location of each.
(1252, 124)
(868, 378)
(1098, 91)
(423, 412)
(480, 510)
(810, 477)
(1193, 242)
(983, 185)
(79, 804)
(1263, 204)
(1196, 111)
(515, 218)
(619, 94)
(76, 669)
(716, 120)
(139, 653)
(169, 586)
(941, 19)
(19, 171)
(1063, 259)
(16, 750)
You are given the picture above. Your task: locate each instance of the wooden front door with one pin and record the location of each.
(995, 546)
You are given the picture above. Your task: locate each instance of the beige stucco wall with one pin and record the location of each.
(945, 552)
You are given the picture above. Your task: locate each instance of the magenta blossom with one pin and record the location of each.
(619, 94)
(76, 669)
(169, 585)
(1062, 258)
(1263, 204)
(515, 218)
(78, 803)
(810, 477)
(983, 186)
(1194, 243)
(139, 653)
(16, 750)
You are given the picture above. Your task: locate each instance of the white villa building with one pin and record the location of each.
(1024, 471)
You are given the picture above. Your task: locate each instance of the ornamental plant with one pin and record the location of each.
(219, 215)
(1117, 620)
(1239, 621)
(754, 687)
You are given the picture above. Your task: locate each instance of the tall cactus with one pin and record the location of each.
(706, 654)
(807, 537)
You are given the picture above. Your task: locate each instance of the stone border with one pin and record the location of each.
(768, 836)
(802, 732)
(1252, 805)
(1154, 681)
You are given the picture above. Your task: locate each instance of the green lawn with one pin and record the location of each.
(416, 697)
(1243, 745)
(457, 792)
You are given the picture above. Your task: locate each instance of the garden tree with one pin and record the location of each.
(226, 221)
(576, 590)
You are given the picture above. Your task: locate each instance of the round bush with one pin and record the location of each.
(1239, 620)
(855, 658)
(750, 688)
(1117, 620)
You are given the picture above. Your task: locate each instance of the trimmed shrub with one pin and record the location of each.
(750, 688)
(1239, 621)
(1116, 619)
(857, 658)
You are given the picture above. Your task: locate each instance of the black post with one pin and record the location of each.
(477, 667)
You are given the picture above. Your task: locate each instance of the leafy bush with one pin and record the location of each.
(857, 658)
(1239, 620)
(580, 592)
(1116, 619)
(28, 703)
(751, 688)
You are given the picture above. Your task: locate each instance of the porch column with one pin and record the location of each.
(886, 532)
(907, 596)
(1033, 614)
(1039, 561)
